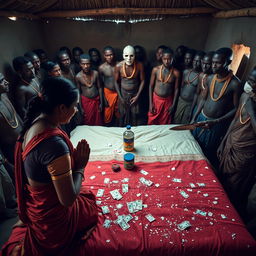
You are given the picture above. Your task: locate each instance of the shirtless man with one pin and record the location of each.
(163, 90)
(95, 58)
(129, 82)
(76, 52)
(27, 86)
(41, 55)
(65, 64)
(188, 90)
(219, 105)
(188, 59)
(106, 71)
(202, 89)
(37, 65)
(10, 122)
(237, 151)
(91, 92)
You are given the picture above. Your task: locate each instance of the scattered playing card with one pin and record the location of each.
(125, 180)
(176, 180)
(125, 188)
(173, 169)
(201, 212)
(200, 184)
(223, 216)
(144, 172)
(100, 192)
(105, 209)
(103, 173)
(146, 182)
(150, 218)
(184, 194)
(107, 223)
(116, 194)
(192, 185)
(93, 177)
(184, 225)
(98, 202)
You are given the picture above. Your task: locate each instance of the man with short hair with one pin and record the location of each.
(77, 52)
(91, 92)
(237, 151)
(219, 105)
(188, 59)
(202, 88)
(95, 58)
(10, 122)
(27, 86)
(65, 65)
(129, 82)
(188, 90)
(106, 71)
(41, 55)
(163, 90)
(37, 65)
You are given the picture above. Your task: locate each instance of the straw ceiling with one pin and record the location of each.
(111, 9)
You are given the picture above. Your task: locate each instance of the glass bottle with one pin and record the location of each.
(128, 137)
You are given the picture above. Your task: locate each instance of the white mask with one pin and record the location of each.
(129, 55)
(248, 89)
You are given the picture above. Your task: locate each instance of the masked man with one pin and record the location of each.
(129, 83)
(237, 152)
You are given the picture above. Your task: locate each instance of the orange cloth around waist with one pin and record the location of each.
(111, 97)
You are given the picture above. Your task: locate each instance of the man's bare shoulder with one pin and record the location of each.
(176, 72)
(79, 74)
(102, 66)
(120, 64)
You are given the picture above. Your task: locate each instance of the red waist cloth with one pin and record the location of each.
(161, 107)
(217, 231)
(50, 228)
(91, 108)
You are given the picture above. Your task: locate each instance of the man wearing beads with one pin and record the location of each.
(219, 106)
(202, 89)
(10, 123)
(188, 90)
(106, 71)
(237, 151)
(27, 86)
(163, 90)
(129, 82)
(91, 92)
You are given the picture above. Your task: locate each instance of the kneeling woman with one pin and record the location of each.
(56, 212)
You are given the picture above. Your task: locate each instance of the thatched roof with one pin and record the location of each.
(125, 9)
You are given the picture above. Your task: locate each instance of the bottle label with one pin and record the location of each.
(128, 144)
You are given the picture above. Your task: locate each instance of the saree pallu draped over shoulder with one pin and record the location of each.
(49, 227)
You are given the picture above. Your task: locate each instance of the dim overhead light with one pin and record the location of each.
(12, 18)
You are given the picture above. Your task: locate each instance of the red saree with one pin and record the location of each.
(49, 227)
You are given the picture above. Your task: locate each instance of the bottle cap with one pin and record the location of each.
(128, 127)
(128, 157)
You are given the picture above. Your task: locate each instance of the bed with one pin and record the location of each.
(181, 210)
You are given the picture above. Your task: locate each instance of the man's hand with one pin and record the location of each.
(152, 109)
(134, 100)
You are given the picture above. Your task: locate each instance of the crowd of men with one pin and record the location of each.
(181, 87)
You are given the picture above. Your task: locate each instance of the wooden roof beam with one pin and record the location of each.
(246, 12)
(127, 11)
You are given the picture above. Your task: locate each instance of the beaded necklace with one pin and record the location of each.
(37, 90)
(88, 82)
(168, 77)
(203, 79)
(12, 112)
(188, 82)
(133, 72)
(240, 116)
(223, 89)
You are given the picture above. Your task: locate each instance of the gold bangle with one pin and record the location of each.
(61, 176)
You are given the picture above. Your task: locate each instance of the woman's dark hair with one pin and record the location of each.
(49, 66)
(55, 91)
